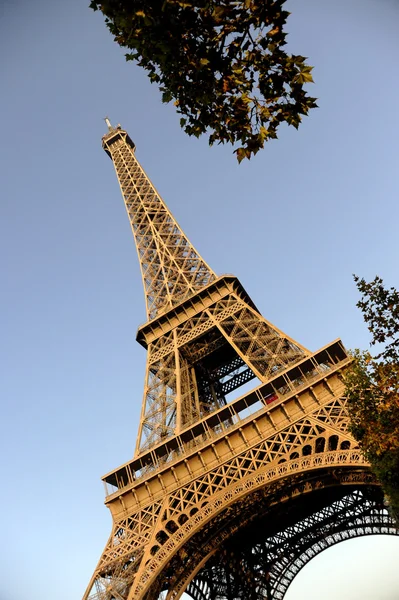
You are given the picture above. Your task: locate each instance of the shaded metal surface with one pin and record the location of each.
(262, 559)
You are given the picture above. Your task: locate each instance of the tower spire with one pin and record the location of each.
(108, 123)
(172, 270)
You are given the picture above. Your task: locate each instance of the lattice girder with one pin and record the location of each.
(194, 492)
(188, 364)
(205, 464)
(171, 268)
(174, 273)
(273, 556)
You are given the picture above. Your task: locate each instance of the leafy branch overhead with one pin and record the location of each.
(222, 62)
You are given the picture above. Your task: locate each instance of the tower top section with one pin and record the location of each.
(114, 134)
(172, 270)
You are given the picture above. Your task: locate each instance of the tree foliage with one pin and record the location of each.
(222, 62)
(372, 387)
(380, 308)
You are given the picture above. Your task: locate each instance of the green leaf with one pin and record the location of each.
(167, 96)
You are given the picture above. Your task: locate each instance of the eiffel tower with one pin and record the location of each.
(228, 494)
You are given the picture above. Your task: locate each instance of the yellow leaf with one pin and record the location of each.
(274, 31)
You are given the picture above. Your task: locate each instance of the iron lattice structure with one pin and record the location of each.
(223, 490)
(262, 559)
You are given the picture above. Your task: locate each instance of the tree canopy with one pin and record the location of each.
(372, 387)
(223, 64)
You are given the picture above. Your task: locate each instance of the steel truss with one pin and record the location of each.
(257, 563)
(203, 341)
(207, 466)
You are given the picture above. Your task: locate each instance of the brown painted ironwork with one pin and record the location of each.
(210, 466)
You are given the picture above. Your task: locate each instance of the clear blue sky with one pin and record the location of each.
(293, 224)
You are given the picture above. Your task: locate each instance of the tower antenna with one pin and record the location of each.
(108, 123)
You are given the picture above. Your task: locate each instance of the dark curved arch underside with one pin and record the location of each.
(261, 560)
